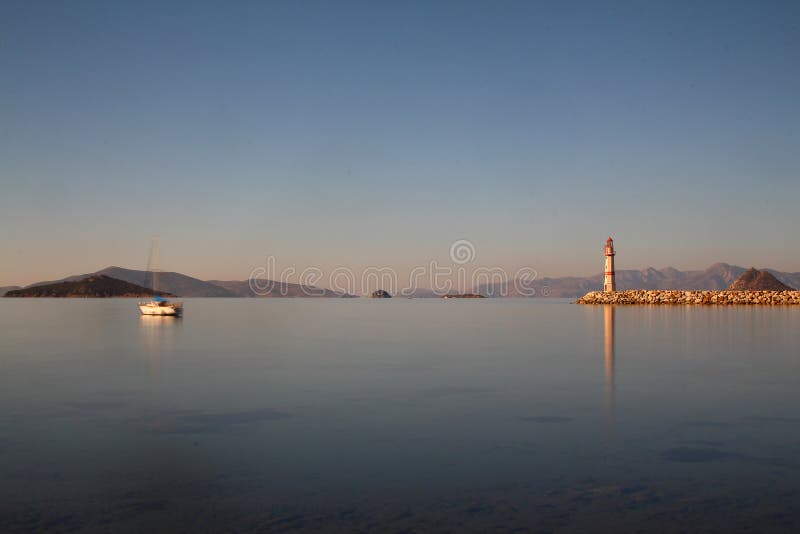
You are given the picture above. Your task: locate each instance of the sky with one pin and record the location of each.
(377, 133)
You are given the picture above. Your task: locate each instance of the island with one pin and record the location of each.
(380, 294)
(95, 286)
(464, 296)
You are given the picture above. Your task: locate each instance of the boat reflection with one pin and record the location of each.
(158, 335)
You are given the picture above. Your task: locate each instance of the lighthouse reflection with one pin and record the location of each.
(608, 331)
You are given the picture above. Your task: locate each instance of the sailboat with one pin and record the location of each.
(161, 306)
(157, 305)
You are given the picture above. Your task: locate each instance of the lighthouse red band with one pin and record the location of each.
(609, 283)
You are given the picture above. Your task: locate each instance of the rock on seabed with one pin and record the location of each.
(724, 298)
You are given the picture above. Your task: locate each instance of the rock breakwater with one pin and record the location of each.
(724, 298)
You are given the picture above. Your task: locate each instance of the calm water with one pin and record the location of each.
(398, 415)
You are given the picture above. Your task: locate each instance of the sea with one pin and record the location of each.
(398, 415)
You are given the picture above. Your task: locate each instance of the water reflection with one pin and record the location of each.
(158, 340)
(608, 331)
(306, 414)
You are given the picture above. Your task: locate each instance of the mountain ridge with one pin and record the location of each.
(273, 289)
(169, 281)
(184, 285)
(717, 276)
(93, 286)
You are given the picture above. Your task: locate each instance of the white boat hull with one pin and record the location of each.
(147, 309)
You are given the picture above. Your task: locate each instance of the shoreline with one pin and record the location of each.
(693, 297)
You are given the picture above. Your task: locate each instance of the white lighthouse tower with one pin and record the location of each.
(609, 284)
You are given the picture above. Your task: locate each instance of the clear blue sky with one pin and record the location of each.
(338, 133)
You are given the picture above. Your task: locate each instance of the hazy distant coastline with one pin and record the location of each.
(715, 278)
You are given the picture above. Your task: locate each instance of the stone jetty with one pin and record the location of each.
(723, 298)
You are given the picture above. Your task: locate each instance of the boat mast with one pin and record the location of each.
(152, 265)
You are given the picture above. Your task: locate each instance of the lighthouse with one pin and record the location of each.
(609, 284)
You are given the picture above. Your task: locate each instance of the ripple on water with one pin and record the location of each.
(694, 454)
(545, 419)
(207, 422)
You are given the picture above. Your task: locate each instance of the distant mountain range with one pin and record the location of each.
(187, 286)
(175, 283)
(94, 286)
(717, 277)
(274, 289)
